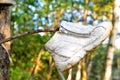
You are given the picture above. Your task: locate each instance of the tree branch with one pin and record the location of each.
(27, 33)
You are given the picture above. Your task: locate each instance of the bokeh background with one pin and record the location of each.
(31, 61)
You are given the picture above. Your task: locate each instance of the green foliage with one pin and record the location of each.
(17, 73)
(98, 61)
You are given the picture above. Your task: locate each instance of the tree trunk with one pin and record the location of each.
(83, 63)
(83, 70)
(4, 33)
(90, 65)
(78, 73)
(69, 74)
(85, 13)
(111, 46)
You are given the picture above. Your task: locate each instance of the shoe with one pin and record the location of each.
(73, 40)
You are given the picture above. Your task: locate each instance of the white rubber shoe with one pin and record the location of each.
(71, 43)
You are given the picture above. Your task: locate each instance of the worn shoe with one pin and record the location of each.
(73, 40)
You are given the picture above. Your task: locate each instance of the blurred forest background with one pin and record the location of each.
(31, 61)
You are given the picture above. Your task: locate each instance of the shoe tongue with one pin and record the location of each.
(76, 28)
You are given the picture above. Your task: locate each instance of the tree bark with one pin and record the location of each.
(83, 63)
(111, 46)
(83, 70)
(69, 74)
(78, 73)
(4, 33)
(85, 13)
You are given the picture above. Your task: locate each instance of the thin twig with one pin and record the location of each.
(26, 33)
(61, 75)
(7, 52)
(51, 65)
(36, 64)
